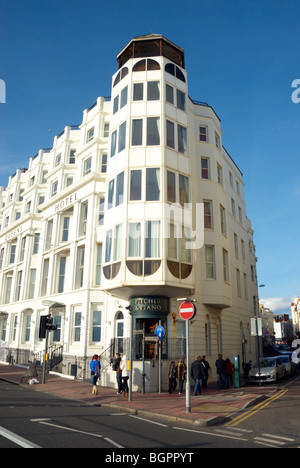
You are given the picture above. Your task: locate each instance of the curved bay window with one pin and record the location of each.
(180, 257)
(113, 249)
(145, 256)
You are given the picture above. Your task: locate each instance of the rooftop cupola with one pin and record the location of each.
(151, 45)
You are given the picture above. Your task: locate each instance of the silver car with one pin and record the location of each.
(290, 367)
(271, 370)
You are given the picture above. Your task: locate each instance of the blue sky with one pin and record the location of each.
(57, 57)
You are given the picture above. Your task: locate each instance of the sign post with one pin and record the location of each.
(187, 312)
(160, 333)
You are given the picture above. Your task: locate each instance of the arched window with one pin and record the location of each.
(175, 71)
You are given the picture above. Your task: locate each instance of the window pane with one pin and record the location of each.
(153, 131)
(113, 144)
(120, 189)
(108, 246)
(183, 190)
(116, 105)
(111, 189)
(134, 249)
(153, 91)
(118, 243)
(170, 134)
(138, 91)
(172, 243)
(124, 94)
(137, 132)
(182, 139)
(135, 185)
(153, 239)
(171, 187)
(180, 100)
(169, 94)
(153, 184)
(122, 137)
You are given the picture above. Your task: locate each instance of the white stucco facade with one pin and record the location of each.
(90, 227)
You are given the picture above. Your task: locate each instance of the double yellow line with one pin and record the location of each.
(242, 417)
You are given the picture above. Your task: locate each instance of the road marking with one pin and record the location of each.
(148, 420)
(256, 409)
(209, 434)
(262, 440)
(17, 439)
(46, 423)
(279, 437)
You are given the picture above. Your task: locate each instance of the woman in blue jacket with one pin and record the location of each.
(95, 373)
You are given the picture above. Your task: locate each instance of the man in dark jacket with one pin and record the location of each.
(115, 367)
(222, 372)
(197, 373)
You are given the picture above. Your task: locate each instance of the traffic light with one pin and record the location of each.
(46, 324)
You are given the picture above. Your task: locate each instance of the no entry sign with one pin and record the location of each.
(187, 310)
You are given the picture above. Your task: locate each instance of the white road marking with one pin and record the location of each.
(17, 439)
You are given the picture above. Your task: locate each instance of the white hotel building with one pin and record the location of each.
(83, 229)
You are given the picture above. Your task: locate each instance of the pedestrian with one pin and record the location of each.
(172, 377)
(206, 365)
(221, 372)
(125, 376)
(117, 369)
(95, 367)
(230, 372)
(181, 374)
(197, 373)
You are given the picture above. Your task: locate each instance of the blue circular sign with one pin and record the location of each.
(160, 332)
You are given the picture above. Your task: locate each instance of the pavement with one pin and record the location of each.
(211, 408)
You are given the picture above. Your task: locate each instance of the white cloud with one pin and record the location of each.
(277, 304)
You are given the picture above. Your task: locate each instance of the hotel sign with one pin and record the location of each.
(66, 202)
(14, 233)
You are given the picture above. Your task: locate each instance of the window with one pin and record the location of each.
(231, 179)
(116, 105)
(233, 208)
(169, 94)
(153, 131)
(236, 246)
(135, 185)
(18, 286)
(152, 239)
(137, 132)
(203, 134)
(111, 191)
(13, 249)
(32, 280)
(238, 281)
(1, 258)
(118, 243)
(48, 242)
(217, 140)
(57, 320)
(54, 188)
(8, 289)
(66, 228)
(87, 167)
(113, 146)
(120, 189)
(27, 320)
(208, 214)
(124, 94)
(80, 267)
(90, 134)
(153, 90)
(134, 246)
(138, 91)
(152, 184)
(104, 163)
(98, 265)
(223, 220)
(22, 251)
(72, 158)
(106, 130)
(101, 211)
(205, 168)
(220, 174)
(122, 137)
(96, 332)
(45, 277)
(210, 262)
(83, 219)
(62, 274)
(175, 71)
(170, 134)
(77, 326)
(57, 160)
(171, 187)
(184, 196)
(181, 100)
(182, 140)
(225, 266)
(108, 246)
